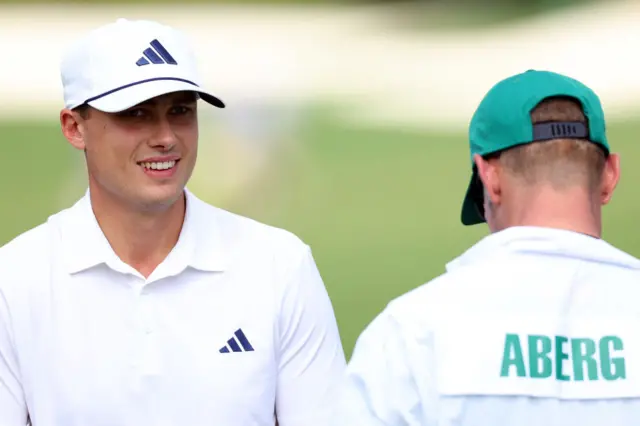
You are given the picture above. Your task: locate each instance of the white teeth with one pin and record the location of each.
(160, 166)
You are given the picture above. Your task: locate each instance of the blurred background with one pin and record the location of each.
(346, 120)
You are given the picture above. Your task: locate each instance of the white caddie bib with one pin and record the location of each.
(577, 358)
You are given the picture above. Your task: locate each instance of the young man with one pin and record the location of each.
(141, 304)
(537, 323)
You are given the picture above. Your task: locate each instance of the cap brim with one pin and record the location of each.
(472, 209)
(126, 97)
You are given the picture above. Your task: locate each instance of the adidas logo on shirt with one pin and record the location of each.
(156, 54)
(237, 343)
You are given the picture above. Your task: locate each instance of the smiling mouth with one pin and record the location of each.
(165, 165)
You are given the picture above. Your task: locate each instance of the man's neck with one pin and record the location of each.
(140, 239)
(572, 211)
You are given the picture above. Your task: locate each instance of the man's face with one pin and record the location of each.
(145, 155)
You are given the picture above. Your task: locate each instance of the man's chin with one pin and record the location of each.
(162, 197)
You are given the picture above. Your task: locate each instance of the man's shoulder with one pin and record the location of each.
(25, 257)
(439, 298)
(29, 253)
(471, 285)
(28, 244)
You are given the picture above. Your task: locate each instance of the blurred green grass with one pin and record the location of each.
(380, 208)
(38, 163)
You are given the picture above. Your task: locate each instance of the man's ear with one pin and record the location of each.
(610, 178)
(489, 173)
(73, 128)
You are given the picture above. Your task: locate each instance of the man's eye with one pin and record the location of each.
(134, 112)
(179, 110)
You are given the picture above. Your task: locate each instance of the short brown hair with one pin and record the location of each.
(560, 162)
(83, 110)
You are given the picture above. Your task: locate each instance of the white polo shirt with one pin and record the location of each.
(233, 326)
(531, 326)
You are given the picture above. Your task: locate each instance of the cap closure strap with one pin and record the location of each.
(560, 130)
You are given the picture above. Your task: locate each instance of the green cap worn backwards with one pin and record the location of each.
(503, 121)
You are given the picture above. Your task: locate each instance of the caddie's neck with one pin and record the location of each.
(571, 209)
(141, 239)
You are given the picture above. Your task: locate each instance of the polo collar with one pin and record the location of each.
(544, 241)
(200, 244)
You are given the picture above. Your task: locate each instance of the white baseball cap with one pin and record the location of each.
(127, 62)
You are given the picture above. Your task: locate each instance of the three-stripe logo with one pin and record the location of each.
(156, 54)
(240, 345)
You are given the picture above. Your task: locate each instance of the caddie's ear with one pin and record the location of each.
(610, 178)
(73, 127)
(489, 173)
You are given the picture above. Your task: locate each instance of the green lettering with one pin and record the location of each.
(561, 356)
(582, 353)
(540, 365)
(512, 356)
(612, 368)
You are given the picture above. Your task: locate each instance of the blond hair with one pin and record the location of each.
(562, 163)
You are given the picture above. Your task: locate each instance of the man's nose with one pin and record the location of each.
(164, 137)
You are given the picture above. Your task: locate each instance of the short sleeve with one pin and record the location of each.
(311, 358)
(13, 411)
(378, 388)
